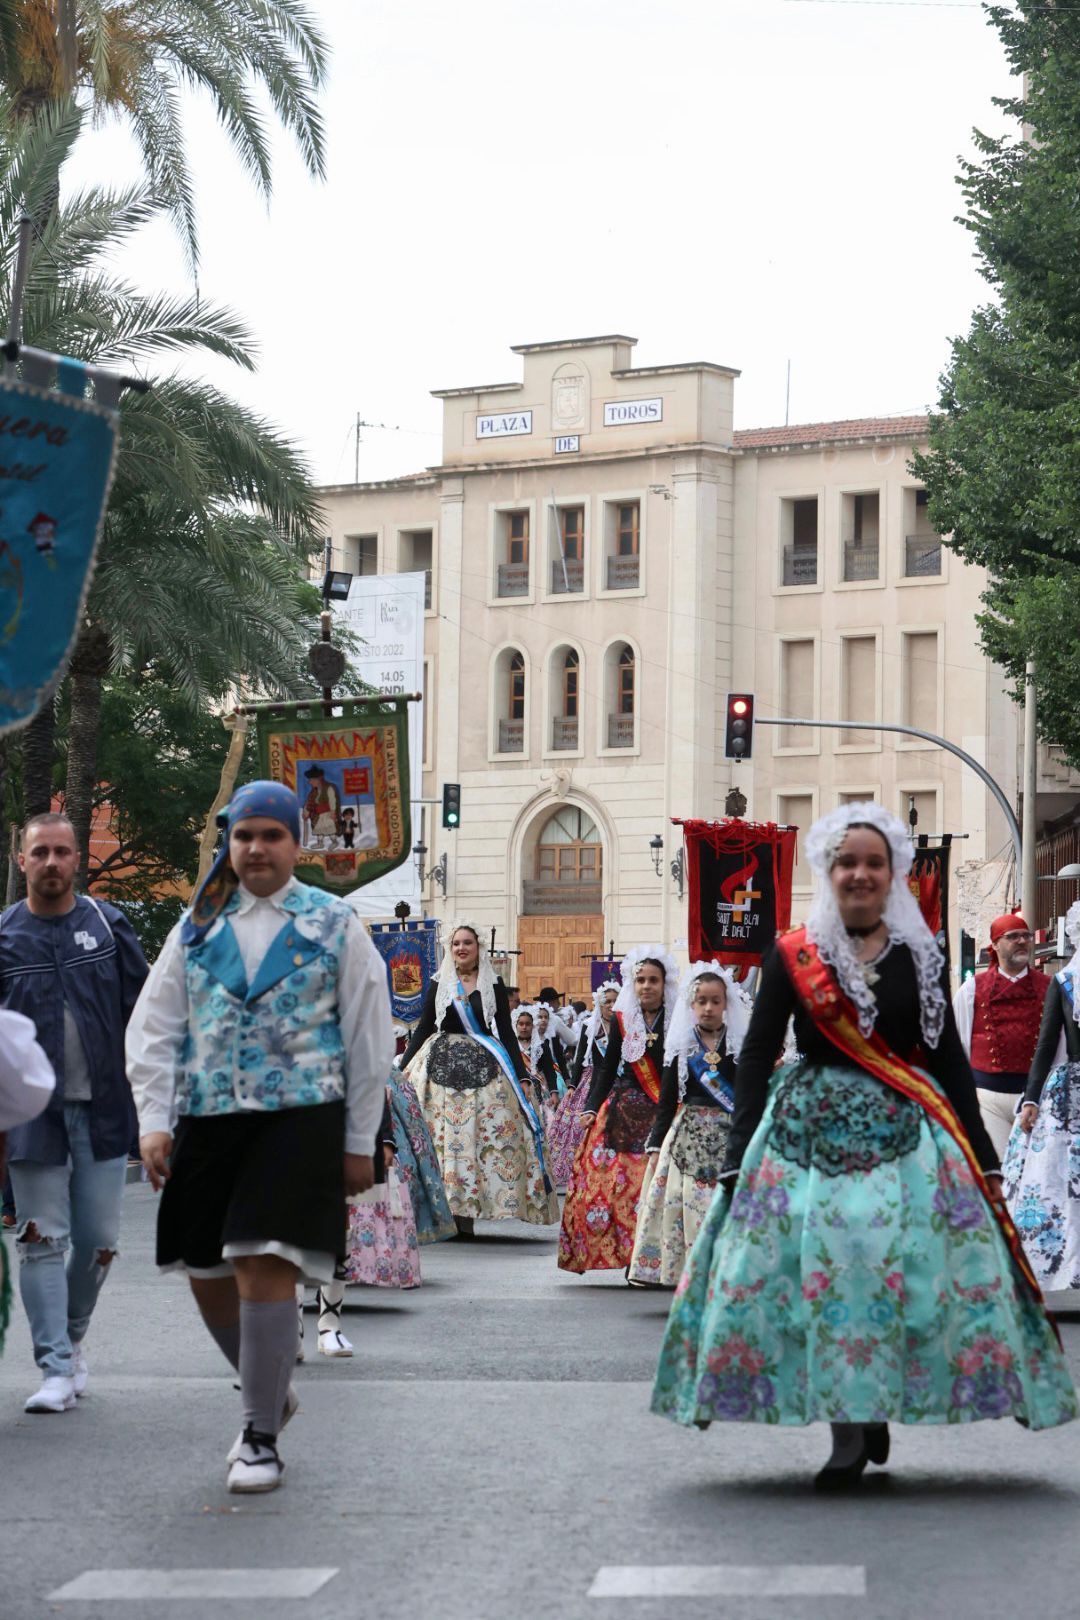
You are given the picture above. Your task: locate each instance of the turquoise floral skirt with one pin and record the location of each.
(855, 1274)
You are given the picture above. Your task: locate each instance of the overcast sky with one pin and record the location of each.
(740, 181)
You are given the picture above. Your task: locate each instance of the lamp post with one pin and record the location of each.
(656, 850)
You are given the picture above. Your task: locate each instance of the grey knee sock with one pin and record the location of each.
(268, 1342)
(227, 1338)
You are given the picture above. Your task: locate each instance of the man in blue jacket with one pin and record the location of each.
(74, 966)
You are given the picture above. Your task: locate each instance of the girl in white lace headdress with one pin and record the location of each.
(688, 1142)
(568, 1125)
(1040, 1178)
(468, 1071)
(600, 1212)
(902, 918)
(535, 1045)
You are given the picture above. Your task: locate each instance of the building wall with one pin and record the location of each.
(711, 613)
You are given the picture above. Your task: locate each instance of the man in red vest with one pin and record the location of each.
(998, 1015)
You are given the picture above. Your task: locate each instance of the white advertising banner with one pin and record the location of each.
(386, 611)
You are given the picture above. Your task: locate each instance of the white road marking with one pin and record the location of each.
(730, 1580)
(153, 1585)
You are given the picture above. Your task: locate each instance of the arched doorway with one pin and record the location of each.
(561, 922)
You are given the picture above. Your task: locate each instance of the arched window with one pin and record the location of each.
(515, 706)
(621, 686)
(569, 848)
(510, 694)
(570, 691)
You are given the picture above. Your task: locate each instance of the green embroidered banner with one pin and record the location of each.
(350, 774)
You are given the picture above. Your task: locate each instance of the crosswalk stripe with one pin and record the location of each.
(153, 1585)
(730, 1580)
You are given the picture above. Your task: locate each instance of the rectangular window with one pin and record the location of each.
(922, 543)
(572, 532)
(364, 549)
(919, 679)
(858, 687)
(627, 523)
(517, 694)
(799, 539)
(860, 530)
(513, 566)
(622, 563)
(798, 673)
(797, 810)
(415, 557)
(517, 537)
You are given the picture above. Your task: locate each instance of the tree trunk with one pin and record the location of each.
(88, 669)
(39, 756)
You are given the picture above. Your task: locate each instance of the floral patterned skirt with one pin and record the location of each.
(601, 1208)
(1042, 1181)
(383, 1251)
(883, 1293)
(566, 1130)
(485, 1150)
(418, 1164)
(678, 1190)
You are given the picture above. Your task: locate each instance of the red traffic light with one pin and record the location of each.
(739, 706)
(739, 726)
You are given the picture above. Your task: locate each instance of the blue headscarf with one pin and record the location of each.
(270, 799)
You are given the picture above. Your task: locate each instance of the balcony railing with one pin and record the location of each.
(623, 573)
(564, 732)
(800, 565)
(572, 580)
(922, 555)
(860, 561)
(511, 736)
(513, 579)
(620, 731)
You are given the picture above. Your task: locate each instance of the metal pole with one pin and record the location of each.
(1028, 889)
(18, 287)
(927, 736)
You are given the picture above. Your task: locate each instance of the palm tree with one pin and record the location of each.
(134, 58)
(212, 516)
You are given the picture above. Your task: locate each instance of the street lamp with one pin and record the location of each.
(656, 849)
(678, 870)
(438, 873)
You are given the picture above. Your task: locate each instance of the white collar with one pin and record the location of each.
(247, 899)
(1014, 978)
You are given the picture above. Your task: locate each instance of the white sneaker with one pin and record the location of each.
(258, 1466)
(292, 1402)
(55, 1395)
(300, 1313)
(80, 1371)
(332, 1342)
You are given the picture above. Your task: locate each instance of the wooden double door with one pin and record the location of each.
(552, 949)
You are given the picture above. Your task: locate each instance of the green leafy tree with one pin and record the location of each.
(1002, 468)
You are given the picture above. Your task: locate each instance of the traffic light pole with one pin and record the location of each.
(939, 742)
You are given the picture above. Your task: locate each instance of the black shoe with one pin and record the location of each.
(876, 1443)
(842, 1476)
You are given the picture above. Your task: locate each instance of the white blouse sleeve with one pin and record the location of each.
(367, 1033)
(26, 1075)
(964, 1013)
(155, 1038)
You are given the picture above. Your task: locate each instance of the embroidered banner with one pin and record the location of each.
(929, 882)
(603, 968)
(57, 453)
(411, 955)
(739, 882)
(350, 774)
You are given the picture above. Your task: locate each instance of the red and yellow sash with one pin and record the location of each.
(645, 1070)
(835, 1016)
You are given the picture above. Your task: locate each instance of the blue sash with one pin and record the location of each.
(713, 1082)
(472, 1026)
(560, 1083)
(1065, 981)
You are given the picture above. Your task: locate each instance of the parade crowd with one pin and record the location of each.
(854, 1186)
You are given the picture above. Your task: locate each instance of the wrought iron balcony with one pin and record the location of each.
(573, 579)
(860, 560)
(623, 573)
(513, 579)
(800, 565)
(922, 555)
(620, 731)
(564, 732)
(511, 736)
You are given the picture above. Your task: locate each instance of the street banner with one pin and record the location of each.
(57, 455)
(411, 955)
(739, 881)
(610, 967)
(386, 613)
(350, 774)
(929, 882)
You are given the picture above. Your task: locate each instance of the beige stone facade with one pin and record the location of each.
(608, 559)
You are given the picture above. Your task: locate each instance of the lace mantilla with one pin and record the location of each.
(902, 917)
(680, 1035)
(635, 1034)
(448, 978)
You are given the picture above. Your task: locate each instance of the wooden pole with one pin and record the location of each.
(237, 723)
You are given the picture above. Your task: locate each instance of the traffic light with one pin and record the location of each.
(967, 956)
(739, 726)
(451, 804)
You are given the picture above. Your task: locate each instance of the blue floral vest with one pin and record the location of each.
(275, 1043)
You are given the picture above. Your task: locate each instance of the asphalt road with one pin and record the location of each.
(488, 1454)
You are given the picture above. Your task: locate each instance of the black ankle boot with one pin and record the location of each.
(876, 1443)
(849, 1458)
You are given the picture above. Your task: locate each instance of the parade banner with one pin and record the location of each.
(386, 614)
(350, 774)
(609, 967)
(57, 454)
(929, 883)
(739, 882)
(411, 955)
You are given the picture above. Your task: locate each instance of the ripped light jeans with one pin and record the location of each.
(75, 1210)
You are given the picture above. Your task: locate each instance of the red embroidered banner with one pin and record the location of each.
(739, 880)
